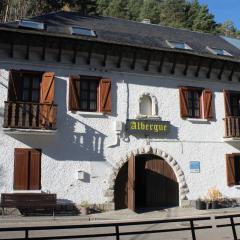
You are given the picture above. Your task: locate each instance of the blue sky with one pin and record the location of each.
(224, 10)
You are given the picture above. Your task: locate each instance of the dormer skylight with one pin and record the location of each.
(219, 51)
(178, 45)
(83, 32)
(31, 24)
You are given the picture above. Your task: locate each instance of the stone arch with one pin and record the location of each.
(183, 188)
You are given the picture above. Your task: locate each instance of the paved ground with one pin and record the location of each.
(127, 215)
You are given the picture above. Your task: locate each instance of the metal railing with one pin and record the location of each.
(30, 115)
(232, 223)
(116, 226)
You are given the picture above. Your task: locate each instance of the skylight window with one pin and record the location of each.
(31, 24)
(178, 45)
(219, 51)
(83, 32)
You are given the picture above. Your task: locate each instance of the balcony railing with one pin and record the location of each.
(28, 115)
(232, 127)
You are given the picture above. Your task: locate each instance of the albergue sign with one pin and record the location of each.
(147, 127)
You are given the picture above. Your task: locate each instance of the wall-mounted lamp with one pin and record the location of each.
(81, 175)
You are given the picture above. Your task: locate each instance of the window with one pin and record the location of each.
(178, 45)
(146, 106)
(83, 31)
(27, 169)
(233, 169)
(219, 51)
(90, 94)
(30, 99)
(31, 24)
(195, 102)
(232, 103)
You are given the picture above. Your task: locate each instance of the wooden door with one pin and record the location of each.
(131, 183)
(160, 183)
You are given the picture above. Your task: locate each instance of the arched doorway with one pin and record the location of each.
(146, 181)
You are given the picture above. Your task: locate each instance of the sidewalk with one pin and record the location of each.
(120, 215)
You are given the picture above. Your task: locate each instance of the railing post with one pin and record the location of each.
(233, 228)
(26, 233)
(117, 233)
(6, 115)
(192, 230)
(13, 117)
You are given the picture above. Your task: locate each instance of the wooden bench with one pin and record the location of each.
(29, 201)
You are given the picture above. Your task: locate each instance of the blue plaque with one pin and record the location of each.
(195, 167)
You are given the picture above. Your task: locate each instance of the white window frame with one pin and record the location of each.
(171, 45)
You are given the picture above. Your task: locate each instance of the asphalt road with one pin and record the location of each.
(206, 234)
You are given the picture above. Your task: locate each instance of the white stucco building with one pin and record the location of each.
(66, 98)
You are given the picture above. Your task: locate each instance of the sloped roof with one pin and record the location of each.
(114, 30)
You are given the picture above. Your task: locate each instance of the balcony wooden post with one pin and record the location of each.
(13, 117)
(6, 115)
(20, 115)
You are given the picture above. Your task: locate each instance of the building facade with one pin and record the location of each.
(118, 113)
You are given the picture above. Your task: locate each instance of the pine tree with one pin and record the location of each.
(150, 10)
(173, 13)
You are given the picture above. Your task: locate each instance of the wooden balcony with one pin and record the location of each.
(232, 127)
(28, 115)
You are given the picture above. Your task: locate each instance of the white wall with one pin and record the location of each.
(81, 141)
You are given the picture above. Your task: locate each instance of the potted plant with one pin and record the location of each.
(200, 204)
(84, 206)
(214, 196)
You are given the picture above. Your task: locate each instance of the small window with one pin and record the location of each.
(146, 106)
(83, 32)
(219, 51)
(27, 169)
(90, 94)
(233, 169)
(31, 24)
(178, 45)
(195, 103)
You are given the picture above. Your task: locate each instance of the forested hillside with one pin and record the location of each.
(175, 13)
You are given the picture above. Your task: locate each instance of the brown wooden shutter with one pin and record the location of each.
(74, 93)
(183, 102)
(46, 99)
(35, 170)
(207, 104)
(230, 167)
(105, 95)
(227, 103)
(14, 86)
(131, 183)
(21, 163)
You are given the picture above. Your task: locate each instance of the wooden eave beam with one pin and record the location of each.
(43, 55)
(198, 68)
(161, 63)
(148, 62)
(119, 62)
(11, 52)
(133, 64)
(186, 67)
(27, 51)
(59, 57)
(231, 74)
(221, 71)
(75, 51)
(90, 50)
(105, 55)
(210, 69)
(174, 65)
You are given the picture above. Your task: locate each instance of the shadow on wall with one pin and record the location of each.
(69, 143)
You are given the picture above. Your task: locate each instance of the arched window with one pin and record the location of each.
(146, 105)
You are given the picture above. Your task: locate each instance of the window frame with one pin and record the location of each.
(214, 51)
(171, 44)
